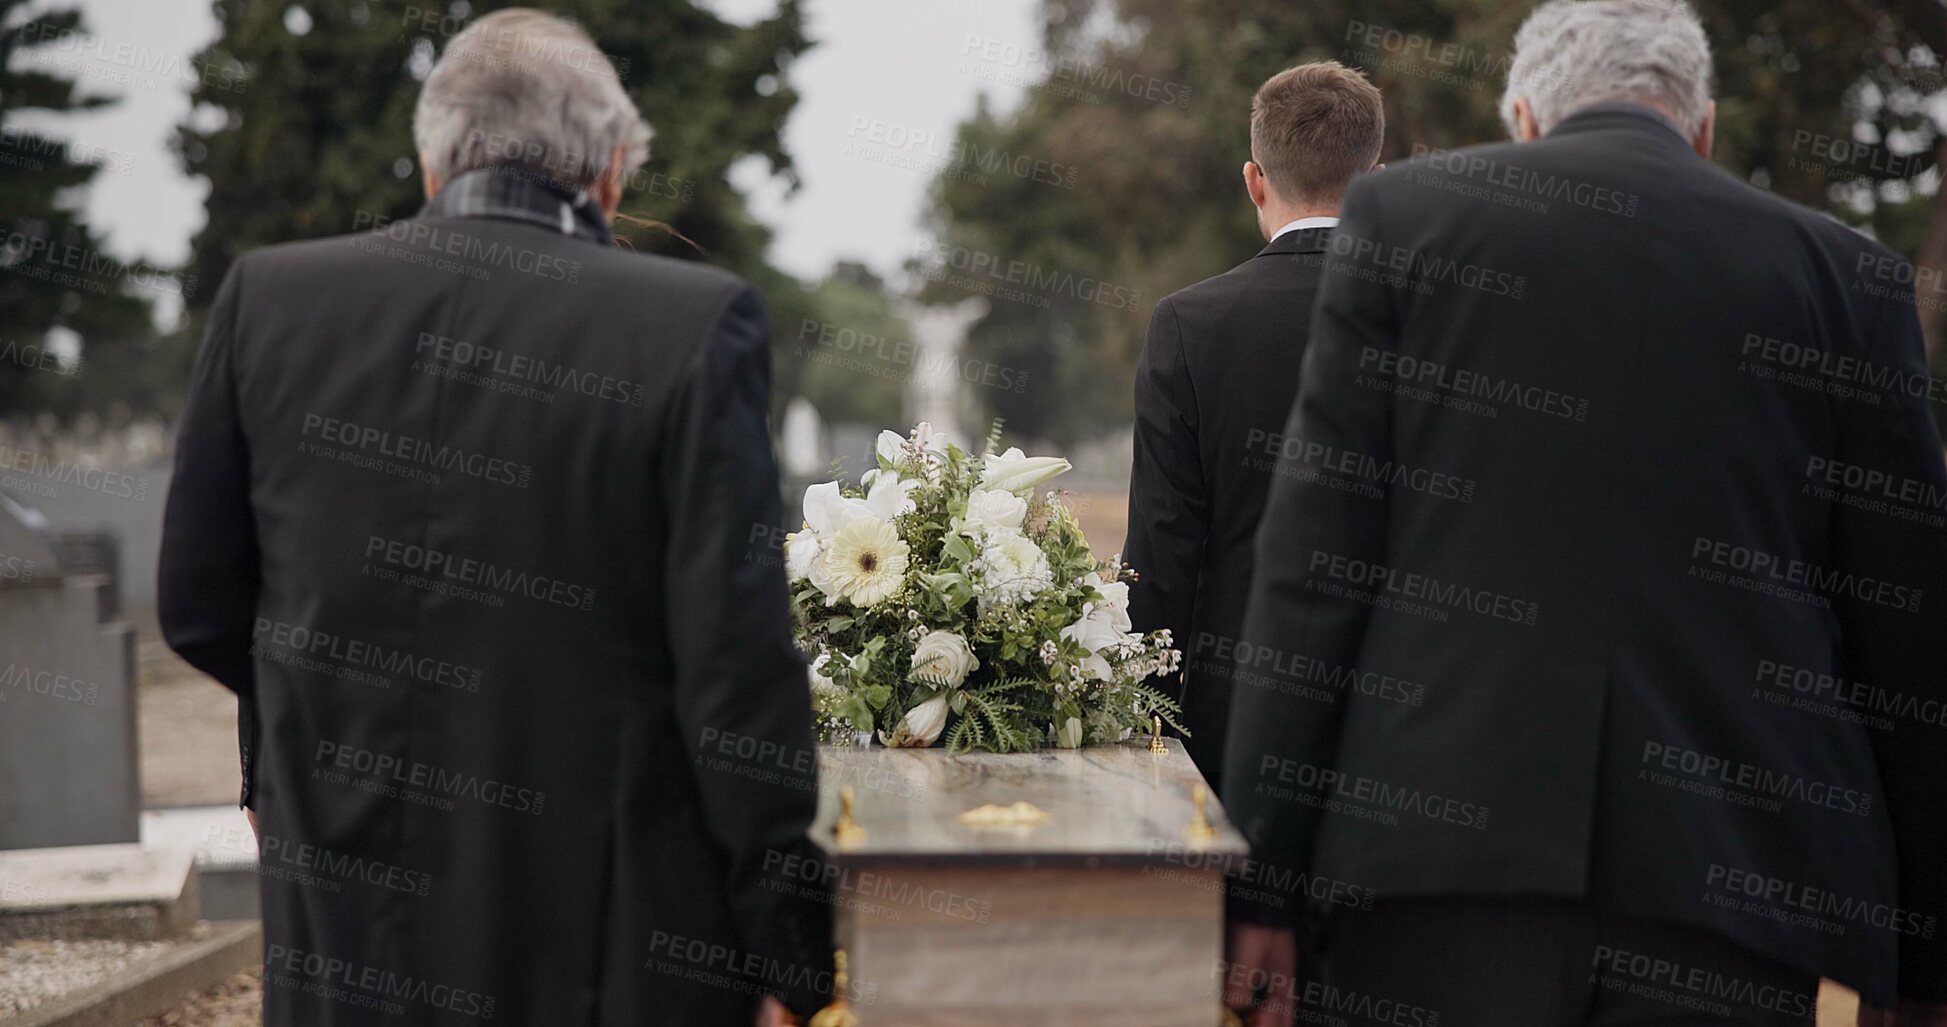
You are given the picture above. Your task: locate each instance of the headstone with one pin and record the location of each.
(68, 758)
(225, 850)
(97, 891)
(801, 442)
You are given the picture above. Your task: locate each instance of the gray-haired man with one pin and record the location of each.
(462, 511)
(1670, 627)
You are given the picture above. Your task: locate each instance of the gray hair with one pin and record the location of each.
(525, 87)
(1573, 53)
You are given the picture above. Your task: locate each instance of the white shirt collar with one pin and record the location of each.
(1311, 222)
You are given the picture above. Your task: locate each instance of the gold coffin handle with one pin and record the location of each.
(838, 1013)
(847, 831)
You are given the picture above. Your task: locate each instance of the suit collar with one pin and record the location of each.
(1303, 240)
(1624, 117)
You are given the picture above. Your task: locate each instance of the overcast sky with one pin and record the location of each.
(909, 66)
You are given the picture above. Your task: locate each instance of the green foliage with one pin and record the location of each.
(53, 273)
(991, 721)
(1150, 101)
(848, 354)
(314, 137)
(311, 135)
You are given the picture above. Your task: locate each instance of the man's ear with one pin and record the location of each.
(1254, 184)
(1526, 130)
(1706, 131)
(607, 191)
(427, 180)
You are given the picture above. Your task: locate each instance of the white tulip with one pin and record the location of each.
(1014, 471)
(820, 683)
(1070, 735)
(943, 658)
(920, 727)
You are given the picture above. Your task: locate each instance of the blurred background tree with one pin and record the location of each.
(75, 332)
(828, 358)
(301, 120)
(312, 126)
(1150, 101)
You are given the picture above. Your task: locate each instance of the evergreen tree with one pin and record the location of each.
(303, 123)
(54, 276)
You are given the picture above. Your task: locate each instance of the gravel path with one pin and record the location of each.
(33, 971)
(237, 1002)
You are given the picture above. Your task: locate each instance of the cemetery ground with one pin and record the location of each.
(188, 760)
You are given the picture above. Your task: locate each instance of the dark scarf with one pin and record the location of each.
(520, 194)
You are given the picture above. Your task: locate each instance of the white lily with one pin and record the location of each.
(887, 496)
(894, 449)
(1015, 471)
(827, 511)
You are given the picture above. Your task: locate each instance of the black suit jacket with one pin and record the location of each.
(463, 513)
(1216, 381)
(1661, 560)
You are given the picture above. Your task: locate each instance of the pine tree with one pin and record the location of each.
(54, 276)
(312, 134)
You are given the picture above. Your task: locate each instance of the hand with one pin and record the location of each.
(1263, 973)
(1908, 1014)
(251, 815)
(771, 1013)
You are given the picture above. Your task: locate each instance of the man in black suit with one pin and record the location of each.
(461, 512)
(1659, 556)
(1217, 377)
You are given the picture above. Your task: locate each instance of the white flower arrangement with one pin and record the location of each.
(943, 599)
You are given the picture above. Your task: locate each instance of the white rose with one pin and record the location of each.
(943, 658)
(1014, 471)
(819, 682)
(920, 727)
(988, 509)
(1010, 568)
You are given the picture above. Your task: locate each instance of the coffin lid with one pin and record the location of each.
(1112, 804)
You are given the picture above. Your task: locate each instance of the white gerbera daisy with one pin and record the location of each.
(866, 561)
